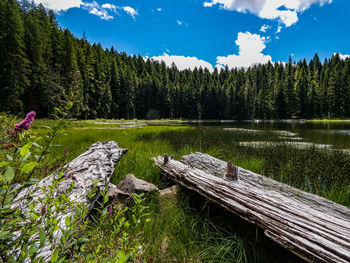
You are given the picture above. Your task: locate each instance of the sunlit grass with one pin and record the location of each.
(190, 237)
(329, 121)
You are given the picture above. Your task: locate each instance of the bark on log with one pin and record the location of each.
(312, 227)
(95, 165)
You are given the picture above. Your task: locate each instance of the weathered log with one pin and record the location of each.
(96, 165)
(312, 227)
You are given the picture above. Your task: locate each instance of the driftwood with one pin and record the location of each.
(312, 227)
(95, 165)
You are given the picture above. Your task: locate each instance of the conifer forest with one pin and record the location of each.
(42, 64)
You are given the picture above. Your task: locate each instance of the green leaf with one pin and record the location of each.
(28, 167)
(67, 220)
(27, 156)
(25, 149)
(59, 110)
(37, 145)
(54, 256)
(33, 249)
(5, 234)
(9, 157)
(31, 181)
(69, 105)
(9, 174)
(42, 237)
(2, 164)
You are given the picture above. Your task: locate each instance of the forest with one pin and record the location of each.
(42, 65)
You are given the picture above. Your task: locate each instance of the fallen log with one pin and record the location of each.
(312, 227)
(92, 168)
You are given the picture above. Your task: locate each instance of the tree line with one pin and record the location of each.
(42, 65)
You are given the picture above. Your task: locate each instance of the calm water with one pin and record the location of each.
(334, 133)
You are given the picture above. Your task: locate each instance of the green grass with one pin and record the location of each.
(190, 236)
(328, 120)
(323, 172)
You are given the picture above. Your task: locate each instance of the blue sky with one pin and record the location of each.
(209, 33)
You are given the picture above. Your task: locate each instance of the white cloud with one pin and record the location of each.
(342, 56)
(279, 28)
(102, 13)
(94, 8)
(264, 28)
(286, 11)
(110, 7)
(183, 62)
(181, 23)
(159, 9)
(61, 5)
(250, 52)
(130, 11)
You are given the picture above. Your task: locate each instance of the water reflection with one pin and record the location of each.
(336, 133)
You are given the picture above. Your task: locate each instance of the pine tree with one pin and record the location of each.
(14, 69)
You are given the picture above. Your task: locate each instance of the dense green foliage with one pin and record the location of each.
(40, 64)
(28, 228)
(193, 236)
(177, 229)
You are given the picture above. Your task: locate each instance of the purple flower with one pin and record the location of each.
(25, 124)
(43, 210)
(110, 211)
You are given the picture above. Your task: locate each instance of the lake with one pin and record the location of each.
(333, 133)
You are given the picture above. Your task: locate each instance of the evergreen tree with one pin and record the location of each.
(14, 69)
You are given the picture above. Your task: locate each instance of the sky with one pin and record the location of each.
(211, 33)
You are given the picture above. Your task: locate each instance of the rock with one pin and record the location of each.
(130, 184)
(170, 192)
(117, 196)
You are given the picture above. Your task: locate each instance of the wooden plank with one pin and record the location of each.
(312, 227)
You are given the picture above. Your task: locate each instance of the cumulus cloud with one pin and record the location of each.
(264, 28)
(130, 11)
(104, 11)
(183, 62)
(61, 5)
(179, 22)
(101, 11)
(250, 52)
(341, 56)
(159, 9)
(110, 7)
(286, 11)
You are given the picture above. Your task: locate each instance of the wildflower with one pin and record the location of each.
(43, 210)
(110, 211)
(25, 124)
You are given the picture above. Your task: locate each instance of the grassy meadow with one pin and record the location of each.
(190, 235)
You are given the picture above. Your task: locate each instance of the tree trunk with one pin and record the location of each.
(95, 166)
(312, 227)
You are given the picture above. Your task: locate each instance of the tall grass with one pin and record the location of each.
(190, 237)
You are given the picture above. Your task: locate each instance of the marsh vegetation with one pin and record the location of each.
(189, 232)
